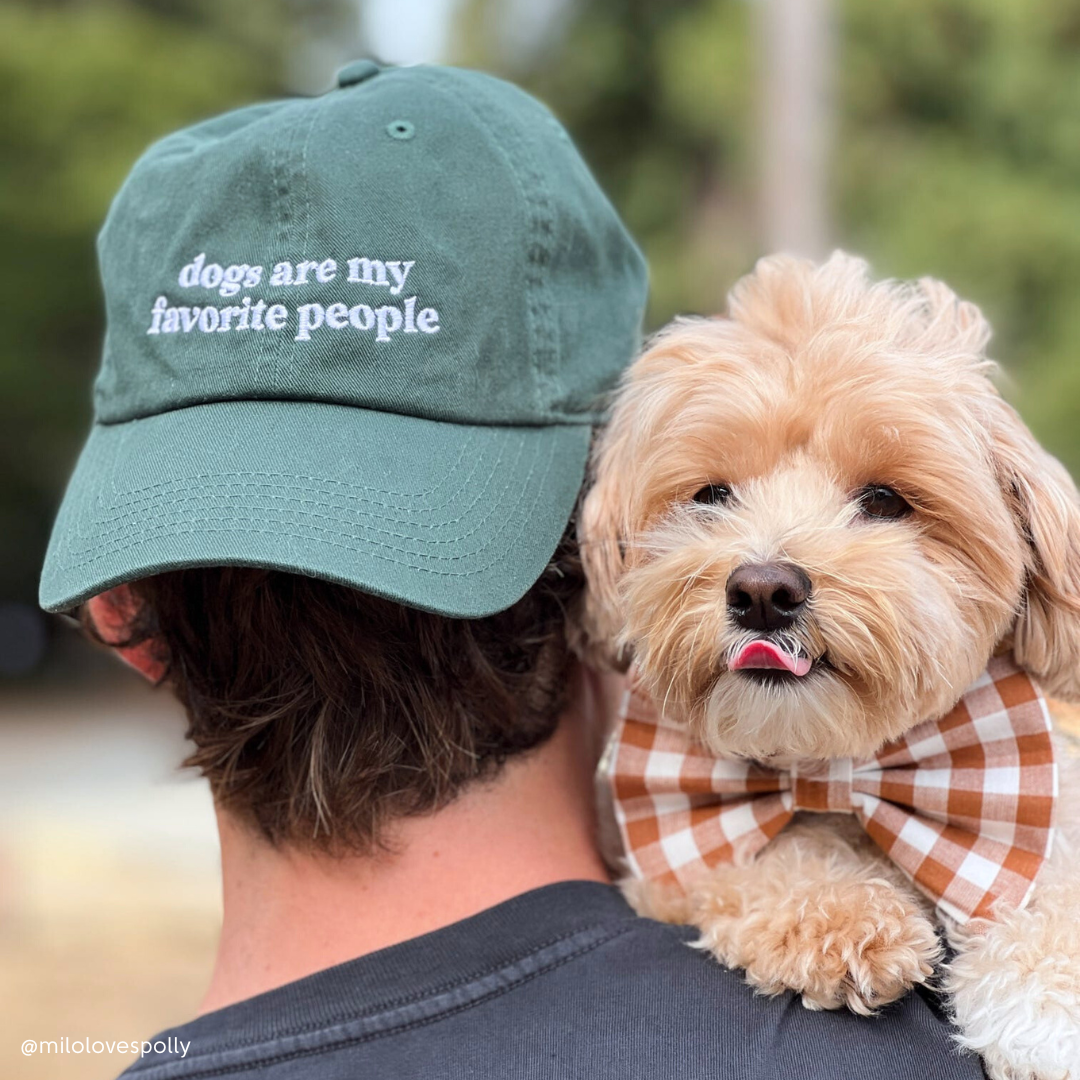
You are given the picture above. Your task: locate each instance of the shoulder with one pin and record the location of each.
(563, 981)
(677, 1003)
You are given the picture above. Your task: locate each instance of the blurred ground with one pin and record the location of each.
(109, 884)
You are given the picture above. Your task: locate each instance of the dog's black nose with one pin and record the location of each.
(766, 596)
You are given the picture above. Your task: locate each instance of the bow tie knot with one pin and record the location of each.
(822, 786)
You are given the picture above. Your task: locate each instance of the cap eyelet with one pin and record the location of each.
(400, 129)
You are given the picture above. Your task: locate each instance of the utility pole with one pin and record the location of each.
(796, 50)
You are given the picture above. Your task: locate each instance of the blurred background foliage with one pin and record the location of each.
(956, 152)
(84, 88)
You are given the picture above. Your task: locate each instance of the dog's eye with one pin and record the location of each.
(713, 494)
(882, 502)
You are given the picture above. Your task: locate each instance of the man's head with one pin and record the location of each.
(357, 346)
(319, 714)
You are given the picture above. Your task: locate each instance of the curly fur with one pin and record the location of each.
(819, 383)
(1015, 986)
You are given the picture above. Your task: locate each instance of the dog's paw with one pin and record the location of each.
(859, 944)
(1016, 996)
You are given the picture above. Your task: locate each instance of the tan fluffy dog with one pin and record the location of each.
(847, 432)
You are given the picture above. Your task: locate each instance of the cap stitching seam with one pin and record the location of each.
(281, 192)
(537, 306)
(165, 525)
(119, 520)
(184, 483)
(246, 528)
(288, 220)
(239, 488)
(543, 221)
(539, 256)
(325, 480)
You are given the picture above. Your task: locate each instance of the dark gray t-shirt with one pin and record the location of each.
(566, 982)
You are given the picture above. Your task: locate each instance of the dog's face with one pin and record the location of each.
(812, 523)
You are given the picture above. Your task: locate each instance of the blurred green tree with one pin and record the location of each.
(957, 152)
(959, 156)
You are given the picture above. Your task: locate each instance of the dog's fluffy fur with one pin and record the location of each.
(818, 384)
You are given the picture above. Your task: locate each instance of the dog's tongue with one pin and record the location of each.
(764, 654)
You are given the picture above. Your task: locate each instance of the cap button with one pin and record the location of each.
(357, 72)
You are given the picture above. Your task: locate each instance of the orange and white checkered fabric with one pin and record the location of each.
(964, 804)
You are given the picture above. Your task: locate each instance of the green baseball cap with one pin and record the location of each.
(362, 337)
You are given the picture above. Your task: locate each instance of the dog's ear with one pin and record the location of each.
(600, 537)
(1040, 494)
(1045, 502)
(646, 402)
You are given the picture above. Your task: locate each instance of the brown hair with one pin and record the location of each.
(319, 713)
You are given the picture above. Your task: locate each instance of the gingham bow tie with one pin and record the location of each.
(964, 804)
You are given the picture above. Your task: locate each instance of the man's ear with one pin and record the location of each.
(111, 617)
(1047, 508)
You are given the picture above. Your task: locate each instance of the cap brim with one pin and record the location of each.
(455, 519)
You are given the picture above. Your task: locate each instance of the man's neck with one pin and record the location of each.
(289, 913)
